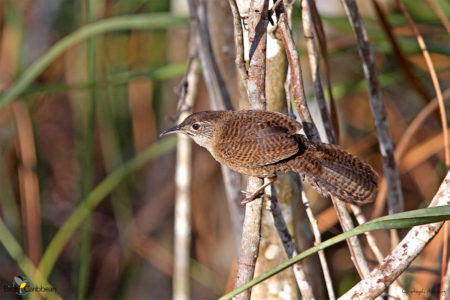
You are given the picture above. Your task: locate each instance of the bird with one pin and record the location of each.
(262, 144)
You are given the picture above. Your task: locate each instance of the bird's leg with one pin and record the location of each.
(252, 196)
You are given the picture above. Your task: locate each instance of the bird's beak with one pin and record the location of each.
(174, 129)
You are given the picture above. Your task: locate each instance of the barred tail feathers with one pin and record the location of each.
(335, 172)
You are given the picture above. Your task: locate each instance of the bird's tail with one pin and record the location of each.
(332, 171)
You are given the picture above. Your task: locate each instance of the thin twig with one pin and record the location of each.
(444, 268)
(239, 42)
(286, 239)
(356, 252)
(257, 37)
(318, 240)
(397, 290)
(312, 220)
(314, 62)
(405, 252)
(182, 226)
(298, 91)
(322, 45)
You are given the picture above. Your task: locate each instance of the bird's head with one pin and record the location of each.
(200, 126)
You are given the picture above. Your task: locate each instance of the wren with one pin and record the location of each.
(261, 143)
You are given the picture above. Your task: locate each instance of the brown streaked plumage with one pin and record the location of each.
(261, 143)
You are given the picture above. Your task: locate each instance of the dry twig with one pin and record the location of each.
(239, 42)
(314, 62)
(286, 239)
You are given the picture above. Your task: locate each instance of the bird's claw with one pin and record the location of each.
(250, 196)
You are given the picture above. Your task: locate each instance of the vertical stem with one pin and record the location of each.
(251, 235)
(239, 42)
(28, 181)
(182, 230)
(314, 62)
(298, 91)
(257, 37)
(304, 286)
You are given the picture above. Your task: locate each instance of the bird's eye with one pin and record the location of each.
(196, 126)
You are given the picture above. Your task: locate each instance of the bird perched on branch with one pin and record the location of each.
(261, 143)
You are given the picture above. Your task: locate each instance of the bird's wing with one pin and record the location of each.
(260, 141)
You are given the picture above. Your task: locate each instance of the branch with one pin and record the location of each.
(286, 239)
(298, 91)
(314, 62)
(239, 42)
(251, 235)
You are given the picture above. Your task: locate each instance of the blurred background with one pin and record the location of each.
(105, 99)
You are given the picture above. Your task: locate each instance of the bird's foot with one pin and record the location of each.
(250, 196)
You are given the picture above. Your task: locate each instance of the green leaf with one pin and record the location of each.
(395, 221)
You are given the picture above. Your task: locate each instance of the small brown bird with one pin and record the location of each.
(261, 143)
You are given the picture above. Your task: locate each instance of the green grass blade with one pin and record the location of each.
(395, 221)
(88, 157)
(144, 21)
(95, 197)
